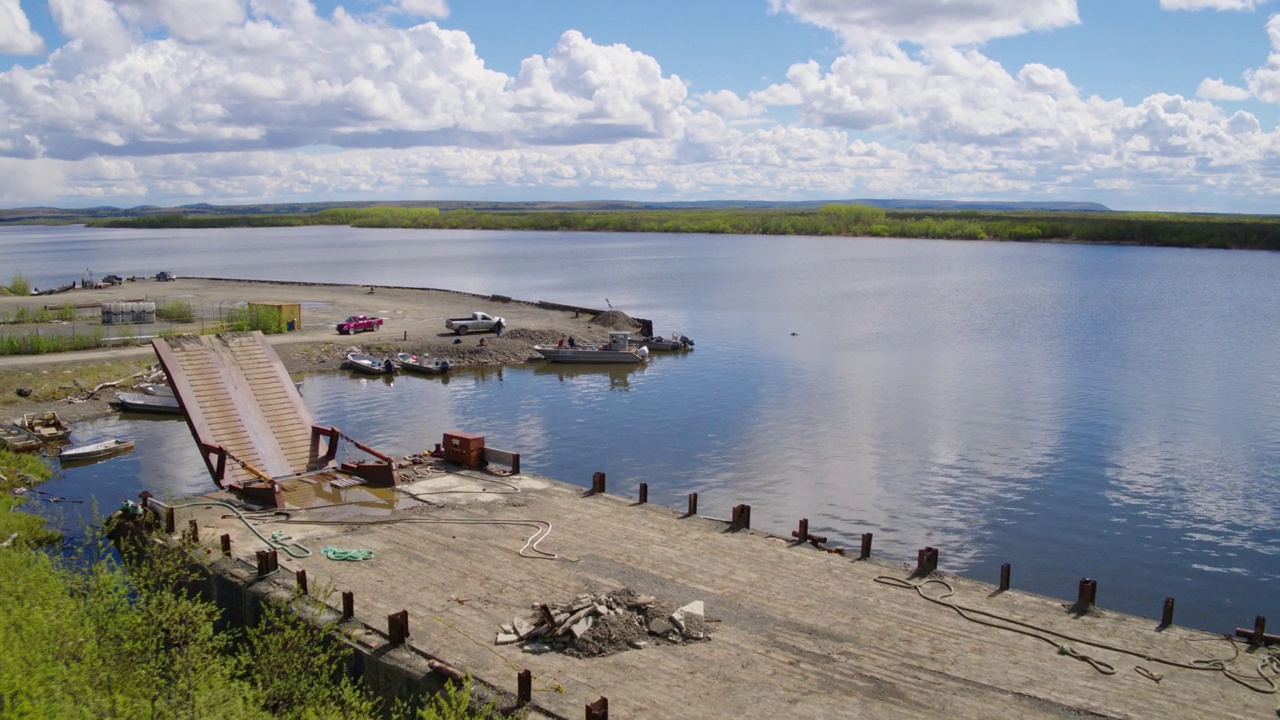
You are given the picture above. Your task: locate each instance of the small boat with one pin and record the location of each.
(18, 439)
(617, 351)
(367, 364)
(141, 402)
(422, 365)
(46, 425)
(96, 451)
(155, 389)
(660, 344)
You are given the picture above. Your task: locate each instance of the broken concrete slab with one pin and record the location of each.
(658, 626)
(697, 607)
(581, 627)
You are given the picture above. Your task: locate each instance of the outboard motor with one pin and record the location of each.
(685, 339)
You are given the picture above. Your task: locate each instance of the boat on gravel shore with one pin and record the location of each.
(94, 452)
(617, 351)
(141, 402)
(421, 365)
(18, 439)
(46, 425)
(368, 364)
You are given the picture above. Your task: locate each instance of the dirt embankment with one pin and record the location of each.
(413, 322)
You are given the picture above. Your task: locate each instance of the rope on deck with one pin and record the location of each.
(1267, 669)
(277, 539)
(334, 553)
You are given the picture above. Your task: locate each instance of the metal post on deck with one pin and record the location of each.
(802, 535)
(170, 524)
(1166, 616)
(398, 627)
(598, 710)
(301, 576)
(524, 688)
(1259, 631)
(1005, 571)
(348, 604)
(1088, 596)
(926, 560)
(644, 493)
(693, 504)
(193, 530)
(597, 483)
(226, 544)
(865, 554)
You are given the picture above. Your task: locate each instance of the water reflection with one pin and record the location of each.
(617, 376)
(1076, 411)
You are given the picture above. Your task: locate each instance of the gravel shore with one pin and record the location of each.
(413, 322)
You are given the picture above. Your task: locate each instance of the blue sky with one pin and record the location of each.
(1136, 104)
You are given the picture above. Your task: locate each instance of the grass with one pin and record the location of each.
(19, 470)
(34, 343)
(176, 311)
(50, 384)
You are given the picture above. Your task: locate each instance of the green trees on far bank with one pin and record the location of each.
(1164, 229)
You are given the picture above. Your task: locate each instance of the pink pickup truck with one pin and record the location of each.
(358, 323)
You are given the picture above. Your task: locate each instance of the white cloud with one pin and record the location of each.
(145, 104)
(1216, 89)
(1264, 82)
(184, 19)
(425, 8)
(1211, 4)
(16, 36)
(870, 23)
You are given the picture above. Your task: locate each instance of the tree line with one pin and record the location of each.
(1155, 229)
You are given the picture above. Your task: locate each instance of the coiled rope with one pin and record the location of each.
(334, 553)
(1267, 669)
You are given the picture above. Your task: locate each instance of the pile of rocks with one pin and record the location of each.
(595, 625)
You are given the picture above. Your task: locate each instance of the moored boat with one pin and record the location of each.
(617, 351)
(141, 402)
(422, 365)
(368, 364)
(660, 344)
(18, 439)
(46, 425)
(96, 451)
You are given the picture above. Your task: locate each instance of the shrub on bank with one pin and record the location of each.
(19, 285)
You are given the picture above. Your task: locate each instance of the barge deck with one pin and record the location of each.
(795, 631)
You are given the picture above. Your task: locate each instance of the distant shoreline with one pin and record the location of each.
(1094, 228)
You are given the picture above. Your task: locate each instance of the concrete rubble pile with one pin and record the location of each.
(595, 625)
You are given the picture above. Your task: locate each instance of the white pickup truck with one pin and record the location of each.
(478, 322)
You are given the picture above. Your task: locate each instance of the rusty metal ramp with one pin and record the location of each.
(242, 407)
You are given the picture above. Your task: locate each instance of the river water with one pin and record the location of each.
(1077, 411)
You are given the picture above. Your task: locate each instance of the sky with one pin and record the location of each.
(1136, 104)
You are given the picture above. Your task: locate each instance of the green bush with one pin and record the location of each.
(19, 285)
(178, 311)
(267, 320)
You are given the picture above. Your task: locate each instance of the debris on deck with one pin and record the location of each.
(596, 625)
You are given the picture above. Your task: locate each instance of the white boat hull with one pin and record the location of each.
(588, 356)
